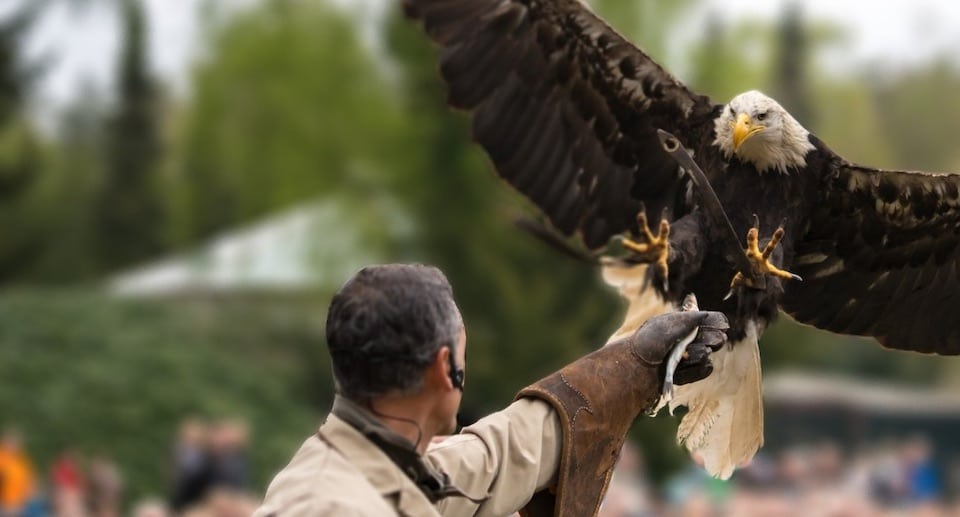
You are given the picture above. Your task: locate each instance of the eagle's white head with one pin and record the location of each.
(758, 130)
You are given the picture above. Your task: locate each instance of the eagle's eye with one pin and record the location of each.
(762, 116)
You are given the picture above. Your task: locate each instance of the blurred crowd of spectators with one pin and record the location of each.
(71, 489)
(894, 479)
(209, 478)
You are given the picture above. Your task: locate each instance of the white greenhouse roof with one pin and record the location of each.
(315, 245)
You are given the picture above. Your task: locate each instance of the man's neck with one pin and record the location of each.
(405, 417)
(399, 423)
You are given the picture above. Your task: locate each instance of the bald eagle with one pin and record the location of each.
(569, 112)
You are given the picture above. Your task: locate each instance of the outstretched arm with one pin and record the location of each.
(502, 460)
(565, 431)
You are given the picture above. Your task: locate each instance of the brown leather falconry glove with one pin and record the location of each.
(599, 396)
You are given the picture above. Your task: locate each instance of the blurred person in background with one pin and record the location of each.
(826, 464)
(228, 455)
(921, 479)
(209, 458)
(887, 483)
(150, 508)
(105, 489)
(17, 486)
(191, 465)
(68, 484)
(827, 486)
(398, 349)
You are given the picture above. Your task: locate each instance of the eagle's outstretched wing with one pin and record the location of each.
(881, 258)
(566, 108)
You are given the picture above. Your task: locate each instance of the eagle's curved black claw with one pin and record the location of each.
(730, 292)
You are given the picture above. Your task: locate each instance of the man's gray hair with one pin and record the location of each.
(386, 325)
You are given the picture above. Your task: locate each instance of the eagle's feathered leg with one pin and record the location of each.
(760, 263)
(655, 249)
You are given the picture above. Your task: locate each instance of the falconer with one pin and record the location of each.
(398, 348)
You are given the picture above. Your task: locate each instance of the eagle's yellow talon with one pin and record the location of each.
(760, 260)
(655, 249)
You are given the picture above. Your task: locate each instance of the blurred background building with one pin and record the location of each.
(183, 184)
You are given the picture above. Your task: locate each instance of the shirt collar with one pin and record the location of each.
(435, 485)
(363, 420)
(374, 465)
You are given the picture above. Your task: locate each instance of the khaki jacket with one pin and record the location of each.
(501, 460)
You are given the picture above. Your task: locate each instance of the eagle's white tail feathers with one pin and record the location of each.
(696, 425)
(723, 426)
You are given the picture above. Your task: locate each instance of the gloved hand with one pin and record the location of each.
(598, 396)
(657, 337)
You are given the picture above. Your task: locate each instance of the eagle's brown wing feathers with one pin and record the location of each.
(565, 107)
(567, 110)
(881, 258)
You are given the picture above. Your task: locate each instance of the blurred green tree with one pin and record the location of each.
(790, 85)
(720, 66)
(130, 216)
(917, 111)
(21, 153)
(67, 192)
(288, 106)
(648, 23)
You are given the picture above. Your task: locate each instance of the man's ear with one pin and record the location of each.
(437, 372)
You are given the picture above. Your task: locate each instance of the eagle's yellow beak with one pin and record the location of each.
(744, 129)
